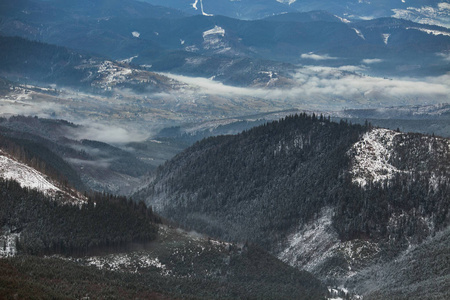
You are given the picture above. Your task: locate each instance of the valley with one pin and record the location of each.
(224, 149)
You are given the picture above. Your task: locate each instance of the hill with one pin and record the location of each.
(28, 61)
(84, 164)
(430, 11)
(331, 198)
(177, 43)
(129, 244)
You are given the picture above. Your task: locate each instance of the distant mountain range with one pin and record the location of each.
(431, 11)
(35, 62)
(164, 40)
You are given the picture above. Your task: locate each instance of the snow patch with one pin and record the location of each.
(219, 244)
(129, 60)
(343, 20)
(112, 74)
(8, 247)
(435, 181)
(272, 78)
(136, 34)
(426, 14)
(371, 157)
(194, 5)
(385, 38)
(30, 178)
(289, 2)
(27, 177)
(359, 33)
(203, 12)
(313, 244)
(357, 250)
(127, 263)
(341, 293)
(213, 40)
(216, 30)
(430, 31)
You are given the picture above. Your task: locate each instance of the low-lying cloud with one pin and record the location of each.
(100, 163)
(369, 61)
(135, 117)
(107, 133)
(41, 110)
(313, 56)
(444, 56)
(327, 85)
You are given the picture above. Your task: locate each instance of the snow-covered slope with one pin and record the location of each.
(213, 40)
(377, 157)
(26, 176)
(381, 154)
(433, 15)
(8, 241)
(30, 178)
(316, 248)
(311, 245)
(371, 157)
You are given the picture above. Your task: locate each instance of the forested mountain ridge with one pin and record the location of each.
(221, 173)
(83, 164)
(41, 213)
(329, 197)
(29, 61)
(38, 169)
(121, 248)
(42, 225)
(129, 254)
(116, 242)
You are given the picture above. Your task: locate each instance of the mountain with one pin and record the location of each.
(30, 178)
(430, 11)
(30, 149)
(35, 62)
(129, 244)
(427, 119)
(311, 16)
(42, 214)
(179, 265)
(418, 273)
(178, 103)
(40, 10)
(270, 159)
(251, 9)
(191, 44)
(331, 198)
(73, 24)
(84, 164)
